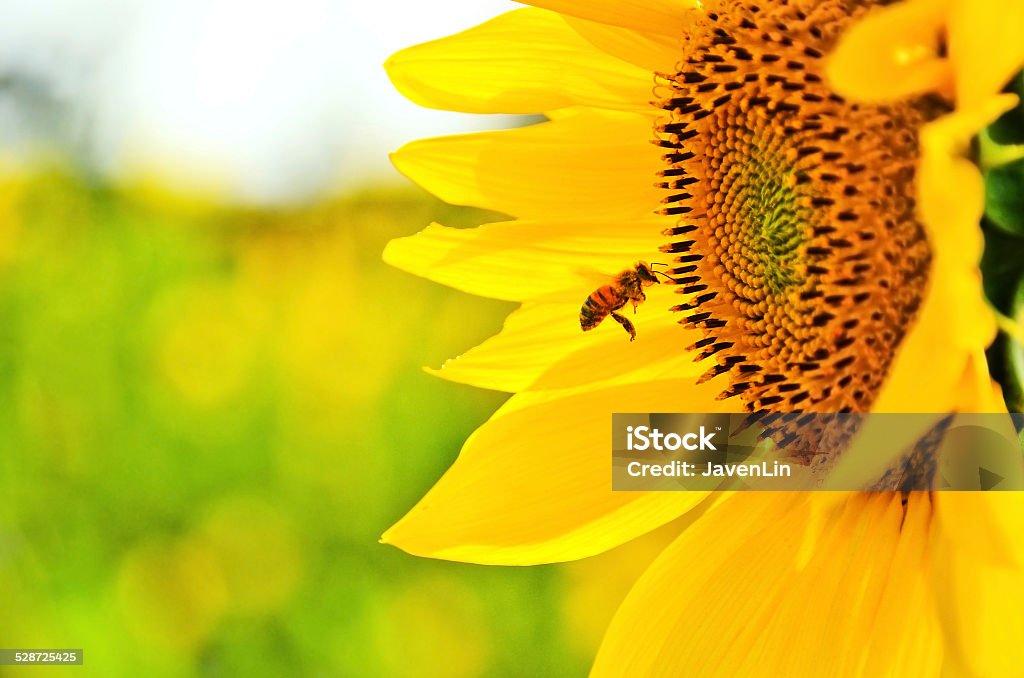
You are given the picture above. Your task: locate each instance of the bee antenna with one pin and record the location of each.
(667, 276)
(656, 263)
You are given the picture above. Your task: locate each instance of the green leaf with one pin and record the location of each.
(1001, 269)
(1002, 266)
(1004, 197)
(1009, 128)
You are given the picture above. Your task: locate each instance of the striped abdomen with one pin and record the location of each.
(598, 305)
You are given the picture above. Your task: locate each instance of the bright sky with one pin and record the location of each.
(269, 100)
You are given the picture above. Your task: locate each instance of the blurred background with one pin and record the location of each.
(211, 395)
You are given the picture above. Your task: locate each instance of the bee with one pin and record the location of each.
(607, 299)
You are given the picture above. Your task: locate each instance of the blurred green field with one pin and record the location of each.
(208, 418)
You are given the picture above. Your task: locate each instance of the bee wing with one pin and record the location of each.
(595, 277)
(586, 282)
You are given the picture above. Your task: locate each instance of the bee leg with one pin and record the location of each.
(624, 321)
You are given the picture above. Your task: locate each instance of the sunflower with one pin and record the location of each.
(823, 244)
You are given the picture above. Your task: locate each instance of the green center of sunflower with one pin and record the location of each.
(797, 244)
(760, 215)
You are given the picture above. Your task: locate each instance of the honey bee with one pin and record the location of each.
(607, 299)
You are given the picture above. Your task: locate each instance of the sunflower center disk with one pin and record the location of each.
(797, 244)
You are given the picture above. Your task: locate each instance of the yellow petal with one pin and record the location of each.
(891, 54)
(651, 52)
(951, 203)
(930, 361)
(727, 599)
(980, 600)
(950, 188)
(986, 46)
(977, 392)
(542, 347)
(520, 260)
(533, 484)
(667, 17)
(524, 61)
(588, 163)
(916, 648)
(987, 525)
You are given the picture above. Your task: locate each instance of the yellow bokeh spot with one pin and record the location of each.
(210, 336)
(334, 323)
(171, 594)
(435, 626)
(259, 554)
(12, 184)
